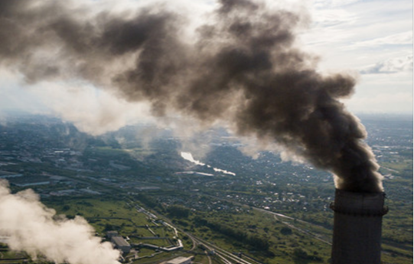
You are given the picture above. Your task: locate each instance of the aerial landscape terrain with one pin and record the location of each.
(164, 200)
(206, 132)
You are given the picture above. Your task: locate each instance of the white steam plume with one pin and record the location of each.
(35, 229)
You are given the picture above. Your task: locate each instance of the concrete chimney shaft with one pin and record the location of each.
(357, 227)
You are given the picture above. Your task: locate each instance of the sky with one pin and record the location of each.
(372, 39)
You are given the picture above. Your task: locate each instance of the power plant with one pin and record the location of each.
(357, 227)
(242, 67)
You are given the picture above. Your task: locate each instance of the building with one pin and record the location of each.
(111, 234)
(118, 241)
(179, 260)
(121, 244)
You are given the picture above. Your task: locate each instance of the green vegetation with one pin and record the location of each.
(118, 186)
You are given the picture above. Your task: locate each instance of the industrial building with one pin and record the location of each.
(111, 234)
(119, 242)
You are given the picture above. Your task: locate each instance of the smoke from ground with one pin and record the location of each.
(242, 67)
(36, 229)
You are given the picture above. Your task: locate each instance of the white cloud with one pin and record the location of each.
(359, 26)
(372, 37)
(403, 38)
(382, 93)
(332, 3)
(401, 64)
(333, 17)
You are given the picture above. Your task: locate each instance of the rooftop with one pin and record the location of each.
(120, 241)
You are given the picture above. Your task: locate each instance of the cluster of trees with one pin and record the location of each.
(299, 253)
(256, 242)
(178, 211)
(147, 200)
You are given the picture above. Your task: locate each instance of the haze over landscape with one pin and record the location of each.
(372, 37)
(243, 107)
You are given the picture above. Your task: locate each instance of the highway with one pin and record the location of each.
(228, 257)
(224, 255)
(306, 232)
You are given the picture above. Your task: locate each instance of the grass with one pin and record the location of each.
(107, 213)
(157, 257)
(155, 242)
(10, 257)
(104, 212)
(265, 225)
(108, 151)
(202, 259)
(144, 232)
(395, 255)
(139, 153)
(400, 166)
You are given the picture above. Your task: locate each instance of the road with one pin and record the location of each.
(306, 232)
(224, 255)
(228, 257)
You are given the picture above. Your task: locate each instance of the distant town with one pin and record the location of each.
(159, 207)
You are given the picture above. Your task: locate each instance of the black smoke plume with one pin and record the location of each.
(242, 67)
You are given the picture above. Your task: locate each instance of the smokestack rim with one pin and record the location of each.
(367, 204)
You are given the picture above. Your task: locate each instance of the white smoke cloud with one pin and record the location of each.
(224, 171)
(35, 229)
(90, 110)
(188, 156)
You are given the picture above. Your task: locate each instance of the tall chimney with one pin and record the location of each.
(357, 227)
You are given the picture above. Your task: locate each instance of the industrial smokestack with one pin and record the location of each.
(357, 227)
(242, 67)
